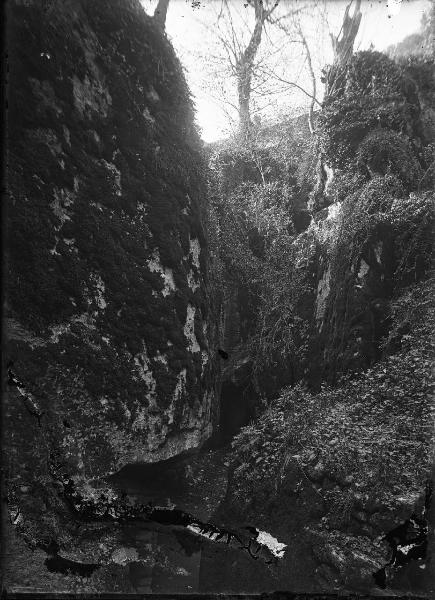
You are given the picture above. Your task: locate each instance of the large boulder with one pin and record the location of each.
(108, 316)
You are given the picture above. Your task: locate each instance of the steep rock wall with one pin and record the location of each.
(370, 234)
(107, 302)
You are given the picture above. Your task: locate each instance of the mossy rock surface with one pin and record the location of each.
(107, 301)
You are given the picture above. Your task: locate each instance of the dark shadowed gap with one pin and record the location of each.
(58, 564)
(237, 409)
(157, 481)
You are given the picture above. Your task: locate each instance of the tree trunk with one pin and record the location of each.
(342, 45)
(245, 67)
(160, 13)
(244, 97)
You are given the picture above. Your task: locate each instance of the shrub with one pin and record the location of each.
(386, 152)
(372, 92)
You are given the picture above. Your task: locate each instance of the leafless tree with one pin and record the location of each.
(242, 58)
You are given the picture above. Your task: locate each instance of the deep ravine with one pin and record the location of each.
(173, 530)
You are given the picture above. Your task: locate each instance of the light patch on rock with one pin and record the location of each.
(153, 446)
(44, 91)
(191, 281)
(89, 492)
(155, 266)
(127, 412)
(85, 319)
(180, 386)
(329, 177)
(63, 199)
(204, 358)
(161, 358)
(49, 138)
(159, 420)
(15, 331)
(53, 251)
(15, 514)
(142, 208)
(189, 329)
(277, 548)
(91, 96)
(326, 230)
(122, 556)
(115, 175)
(334, 210)
(57, 331)
(194, 251)
(148, 116)
(143, 367)
(142, 363)
(339, 556)
(70, 243)
(66, 135)
(323, 289)
(378, 252)
(152, 95)
(363, 269)
(205, 412)
(104, 402)
(409, 499)
(100, 289)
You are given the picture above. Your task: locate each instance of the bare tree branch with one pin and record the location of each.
(313, 80)
(296, 85)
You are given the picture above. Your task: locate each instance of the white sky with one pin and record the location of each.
(193, 34)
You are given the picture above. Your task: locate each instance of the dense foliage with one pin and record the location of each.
(375, 93)
(371, 435)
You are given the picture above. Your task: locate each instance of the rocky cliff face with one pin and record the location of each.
(107, 303)
(372, 238)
